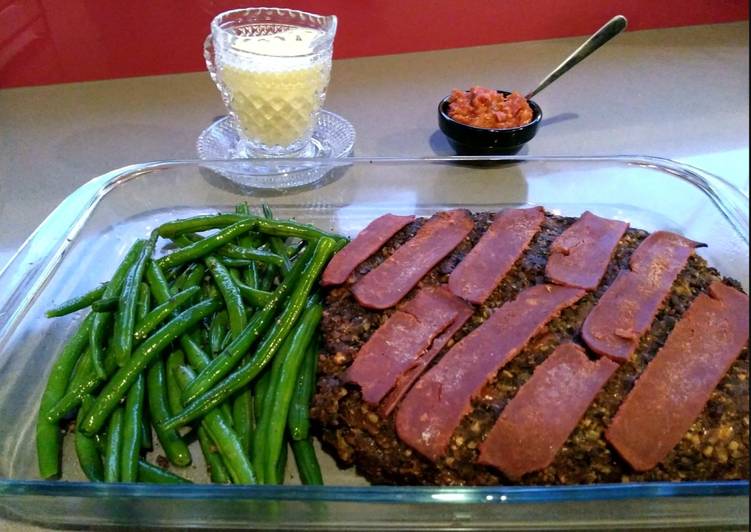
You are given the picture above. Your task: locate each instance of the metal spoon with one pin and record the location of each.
(616, 25)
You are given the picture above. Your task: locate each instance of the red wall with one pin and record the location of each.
(59, 41)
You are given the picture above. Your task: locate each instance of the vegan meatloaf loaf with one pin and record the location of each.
(358, 433)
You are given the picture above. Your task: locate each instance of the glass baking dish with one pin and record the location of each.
(80, 243)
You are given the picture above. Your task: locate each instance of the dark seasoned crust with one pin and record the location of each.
(715, 448)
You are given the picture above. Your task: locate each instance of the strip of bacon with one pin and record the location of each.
(365, 244)
(541, 416)
(434, 407)
(493, 256)
(387, 284)
(403, 340)
(626, 310)
(673, 390)
(408, 378)
(580, 255)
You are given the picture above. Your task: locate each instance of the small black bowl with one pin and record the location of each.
(471, 140)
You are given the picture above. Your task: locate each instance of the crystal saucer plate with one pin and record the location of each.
(333, 137)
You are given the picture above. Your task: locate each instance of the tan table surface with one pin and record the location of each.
(678, 93)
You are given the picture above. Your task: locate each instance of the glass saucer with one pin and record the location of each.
(333, 137)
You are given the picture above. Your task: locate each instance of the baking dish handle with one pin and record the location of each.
(40, 254)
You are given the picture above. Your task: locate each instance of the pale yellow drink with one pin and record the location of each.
(275, 86)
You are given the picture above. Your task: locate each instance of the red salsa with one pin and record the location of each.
(481, 107)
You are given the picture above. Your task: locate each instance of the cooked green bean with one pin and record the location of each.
(48, 436)
(152, 320)
(199, 249)
(277, 244)
(174, 360)
(281, 465)
(242, 417)
(156, 384)
(113, 446)
(143, 301)
(307, 464)
(125, 317)
(181, 279)
(108, 304)
(225, 439)
(291, 354)
(156, 475)
(131, 440)
(217, 470)
(298, 420)
(253, 296)
(273, 339)
(284, 228)
(232, 298)
(102, 319)
(118, 385)
(233, 251)
(77, 303)
(147, 439)
(217, 331)
(230, 357)
(86, 449)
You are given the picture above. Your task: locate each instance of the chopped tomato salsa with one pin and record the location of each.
(481, 107)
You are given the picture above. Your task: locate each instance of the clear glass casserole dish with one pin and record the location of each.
(80, 243)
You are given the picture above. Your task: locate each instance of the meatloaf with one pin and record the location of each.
(358, 434)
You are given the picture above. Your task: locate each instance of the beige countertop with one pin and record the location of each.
(678, 93)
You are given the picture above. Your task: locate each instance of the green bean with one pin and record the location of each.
(273, 339)
(108, 304)
(131, 440)
(175, 404)
(143, 301)
(224, 438)
(307, 463)
(277, 244)
(284, 228)
(260, 392)
(152, 320)
(292, 354)
(217, 470)
(87, 450)
(230, 357)
(267, 279)
(101, 319)
(281, 465)
(253, 296)
(251, 276)
(268, 393)
(174, 446)
(116, 387)
(217, 332)
(242, 414)
(298, 420)
(113, 446)
(73, 397)
(181, 279)
(147, 439)
(232, 298)
(81, 371)
(160, 291)
(77, 303)
(203, 247)
(48, 436)
(233, 251)
(156, 475)
(125, 317)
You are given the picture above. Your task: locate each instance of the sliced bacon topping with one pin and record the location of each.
(676, 385)
(404, 340)
(493, 256)
(580, 255)
(626, 310)
(409, 377)
(434, 407)
(544, 412)
(365, 244)
(387, 284)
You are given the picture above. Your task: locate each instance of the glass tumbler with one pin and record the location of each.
(272, 67)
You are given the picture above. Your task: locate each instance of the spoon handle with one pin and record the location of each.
(613, 27)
